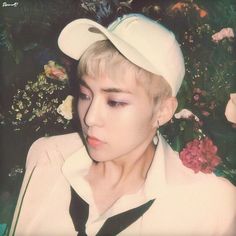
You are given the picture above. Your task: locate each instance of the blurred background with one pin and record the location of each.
(37, 82)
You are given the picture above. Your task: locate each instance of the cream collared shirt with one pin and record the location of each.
(75, 170)
(186, 203)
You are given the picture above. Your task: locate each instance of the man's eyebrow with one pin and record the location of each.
(115, 90)
(83, 83)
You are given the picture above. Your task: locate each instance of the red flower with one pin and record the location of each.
(200, 155)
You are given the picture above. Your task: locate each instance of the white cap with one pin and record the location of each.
(144, 42)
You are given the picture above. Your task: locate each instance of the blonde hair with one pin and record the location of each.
(103, 58)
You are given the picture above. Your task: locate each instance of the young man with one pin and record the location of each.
(118, 181)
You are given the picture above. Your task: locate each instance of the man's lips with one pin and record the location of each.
(93, 141)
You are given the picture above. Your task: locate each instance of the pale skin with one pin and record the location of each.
(121, 115)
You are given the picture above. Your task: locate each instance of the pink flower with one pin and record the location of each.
(197, 90)
(54, 71)
(200, 155)
(205, 113)
(196, 97)
(224, 33)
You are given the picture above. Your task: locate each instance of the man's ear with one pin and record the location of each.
(165, 111)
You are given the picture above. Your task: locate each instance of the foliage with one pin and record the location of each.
(209, 80)
(36, 104)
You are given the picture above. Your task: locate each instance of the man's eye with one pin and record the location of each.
(84, 96)
(112, 103)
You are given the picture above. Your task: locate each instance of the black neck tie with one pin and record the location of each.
(79, 210)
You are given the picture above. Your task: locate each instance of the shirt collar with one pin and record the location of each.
(75, 168)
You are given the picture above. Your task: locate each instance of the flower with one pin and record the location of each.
(184, 6)
(54, 71)
(196, 97)
(202, 13)
(200, 155)
(18, 116)
(65, 109)
(186, 114)
(224, 33)
(179, 6)
(205, 113)
(230, 110)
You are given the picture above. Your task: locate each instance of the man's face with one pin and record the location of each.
(115, 115)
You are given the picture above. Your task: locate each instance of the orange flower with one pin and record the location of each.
(178, 6)
(202, 13)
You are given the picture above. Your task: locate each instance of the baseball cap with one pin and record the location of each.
(143, 41)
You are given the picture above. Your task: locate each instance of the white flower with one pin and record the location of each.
(230, 110)
(185, 114)
(224, 33)
(65, 109)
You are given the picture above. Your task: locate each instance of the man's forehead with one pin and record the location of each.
(125, 82)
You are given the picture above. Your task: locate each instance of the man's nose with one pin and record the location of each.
(94, 114)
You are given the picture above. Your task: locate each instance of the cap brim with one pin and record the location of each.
(77, 36)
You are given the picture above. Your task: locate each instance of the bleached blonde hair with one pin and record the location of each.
(103, 58)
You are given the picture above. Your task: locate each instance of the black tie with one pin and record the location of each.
(79, 210)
